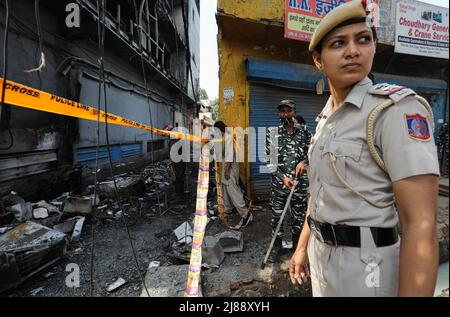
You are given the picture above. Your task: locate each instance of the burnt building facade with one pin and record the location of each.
(151, 75)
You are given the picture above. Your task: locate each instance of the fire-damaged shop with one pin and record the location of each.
(151, 63)
(146, 70)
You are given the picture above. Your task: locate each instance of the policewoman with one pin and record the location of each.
(373, 165)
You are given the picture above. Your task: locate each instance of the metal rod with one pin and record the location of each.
(149, 43)
(156, 30)
(118, 17)
(131, 29)
(280, 222)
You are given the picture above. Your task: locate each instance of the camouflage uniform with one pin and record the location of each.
(291, 149)
(442, 144)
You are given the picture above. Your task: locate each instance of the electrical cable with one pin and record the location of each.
(101, 27)
(24, 30)
(186, 31)
(5, 73)
(187, 178)
(39, 31)
(139, 19)
(95, 184)
(153, 95)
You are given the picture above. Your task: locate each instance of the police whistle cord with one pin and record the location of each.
(370, 133)
(333, 160)
(280, 222)
(27, 97)
(370, 126)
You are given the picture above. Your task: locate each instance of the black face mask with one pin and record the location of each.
(286, 121)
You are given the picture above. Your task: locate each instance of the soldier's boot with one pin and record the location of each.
(295, 238)
(274, 256)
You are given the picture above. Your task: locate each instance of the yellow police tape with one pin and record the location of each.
(27, 97)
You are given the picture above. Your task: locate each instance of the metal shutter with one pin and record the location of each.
(263, 113)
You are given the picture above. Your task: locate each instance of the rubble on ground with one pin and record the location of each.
(22, 211)
(35, 235)
(77, 229)
(36, 291)
(165, 281)
(212, 251)
(114, 286)
(230, 259)
(248, 280)
(40, 213)
(78, 205)
(184, 232)
(12, 199)
(231, 241)
(27, 249)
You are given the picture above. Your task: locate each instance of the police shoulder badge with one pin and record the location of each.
(418, 127)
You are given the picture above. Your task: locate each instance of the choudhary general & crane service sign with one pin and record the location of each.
(421, 30)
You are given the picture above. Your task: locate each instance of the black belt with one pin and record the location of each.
(350, 236)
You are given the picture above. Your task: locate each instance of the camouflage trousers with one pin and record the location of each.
(299, 203)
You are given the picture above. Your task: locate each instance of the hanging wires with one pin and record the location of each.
(101, 32)
(5, 74)
(140, 27)
(39, 31)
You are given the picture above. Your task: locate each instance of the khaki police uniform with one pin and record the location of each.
(404, 139)
(352, 168)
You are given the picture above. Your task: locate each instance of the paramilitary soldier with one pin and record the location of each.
(443, 148)
(289, 143)
(373, 144)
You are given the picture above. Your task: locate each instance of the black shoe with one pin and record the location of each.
(244, 222)
(274, 256)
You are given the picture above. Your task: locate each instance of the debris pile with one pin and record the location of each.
(26, 249)
(35, 235)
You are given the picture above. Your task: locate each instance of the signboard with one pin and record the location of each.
(228, 94)
(303, 16)
(421, 29)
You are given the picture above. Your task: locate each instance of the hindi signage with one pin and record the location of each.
(303, 16)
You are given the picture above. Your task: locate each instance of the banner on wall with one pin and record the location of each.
(421, 29)
(303, 16)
